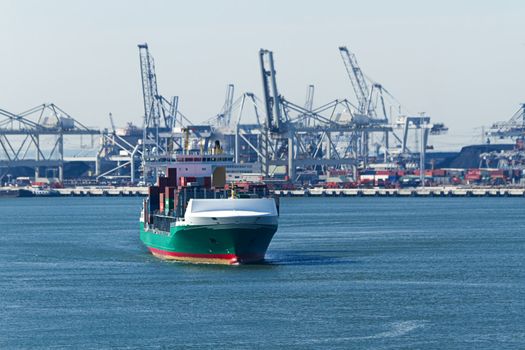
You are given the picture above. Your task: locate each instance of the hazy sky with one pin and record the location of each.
(462, 62)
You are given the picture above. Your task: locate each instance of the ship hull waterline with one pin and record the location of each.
(210, 244)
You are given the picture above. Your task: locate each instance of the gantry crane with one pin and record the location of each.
(357, 79)
(160, 118)
(514, 128)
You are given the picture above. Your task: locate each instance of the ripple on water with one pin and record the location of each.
(341, 273)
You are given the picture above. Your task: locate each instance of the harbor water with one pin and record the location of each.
(341, 273)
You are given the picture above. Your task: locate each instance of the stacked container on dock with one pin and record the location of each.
(428, 173)
(497, 174)
(473, 176)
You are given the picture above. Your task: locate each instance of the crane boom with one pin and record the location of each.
(356, 78)
(309, 104)
(228, 104)
(513, 128)
(112, 122)
(272, 99)
(149, 88)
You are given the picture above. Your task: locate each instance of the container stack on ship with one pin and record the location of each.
(202, 219)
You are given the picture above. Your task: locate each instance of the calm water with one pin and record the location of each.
(377, 273)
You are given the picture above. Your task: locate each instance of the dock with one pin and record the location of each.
(405, 192)
(103, 192)
(319, 192)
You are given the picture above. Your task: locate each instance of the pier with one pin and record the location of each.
(103, 192)
(316, 192)
(405, 192)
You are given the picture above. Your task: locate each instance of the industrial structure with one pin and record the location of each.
(278, 138)
(512, 130)
(23, 135)
(336, 135)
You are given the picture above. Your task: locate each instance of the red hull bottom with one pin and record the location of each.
(225, 259)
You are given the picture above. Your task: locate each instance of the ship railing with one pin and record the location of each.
(162, 222)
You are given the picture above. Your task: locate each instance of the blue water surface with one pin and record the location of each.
(342, 273)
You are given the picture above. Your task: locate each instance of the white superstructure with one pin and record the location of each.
(257, 211)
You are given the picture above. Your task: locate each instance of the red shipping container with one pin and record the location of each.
(169, 192)
(496, 172)
(185, 180)
(161, 204)
(417, 172)
(472, 177)
(176, 202)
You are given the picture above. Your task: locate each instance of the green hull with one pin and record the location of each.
(227, 244)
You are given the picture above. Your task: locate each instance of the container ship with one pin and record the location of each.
(202, 219)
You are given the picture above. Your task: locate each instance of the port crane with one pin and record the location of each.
(514, 128)
(161, 117)
(372, 109)
(367, 98)
(35, 138)
(304, 137)
(224, 118)
(152, 148)
(357, 79)
(309, 104)
(228, 102)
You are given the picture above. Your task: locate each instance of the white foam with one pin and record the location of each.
(398, 329)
